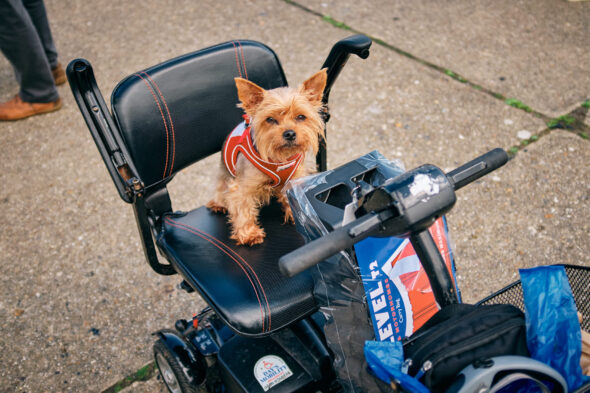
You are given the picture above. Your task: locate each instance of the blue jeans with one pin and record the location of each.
(26, 41)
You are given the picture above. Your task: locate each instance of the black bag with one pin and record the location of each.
(460, 334)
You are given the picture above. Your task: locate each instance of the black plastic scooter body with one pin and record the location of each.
(329, 197)
(419, 197)
(194, 367)
(241, 358)
(294, 359)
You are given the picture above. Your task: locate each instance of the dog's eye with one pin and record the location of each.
(301, 118)
(271, 120)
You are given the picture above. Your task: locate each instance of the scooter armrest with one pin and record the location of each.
(357, 44)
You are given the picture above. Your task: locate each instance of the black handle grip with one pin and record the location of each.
(321, 248)
(357, 44)
(477, 168)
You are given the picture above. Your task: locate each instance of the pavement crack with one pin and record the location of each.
(448, 72)
(573, 121)
(143, 374)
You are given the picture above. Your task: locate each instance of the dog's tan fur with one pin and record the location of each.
(272, 112)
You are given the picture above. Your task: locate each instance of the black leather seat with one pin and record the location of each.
(243, 284)
(180, 111)
(176, 113)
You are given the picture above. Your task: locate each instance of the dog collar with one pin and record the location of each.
(240, 141)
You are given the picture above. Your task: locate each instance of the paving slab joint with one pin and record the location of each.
(572, 122)
(143, 374)
(514, 102)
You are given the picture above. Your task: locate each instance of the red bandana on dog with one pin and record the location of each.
(240, 141)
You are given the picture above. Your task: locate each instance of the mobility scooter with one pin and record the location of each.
(262, 330)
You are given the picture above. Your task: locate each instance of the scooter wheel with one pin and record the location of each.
(171, 371)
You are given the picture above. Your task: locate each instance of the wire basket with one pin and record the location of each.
(579, 279)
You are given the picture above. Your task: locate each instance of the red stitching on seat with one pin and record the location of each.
(163, 119)
(237, 60)
(171, 122)
(203, 235)
(243, 59)
(228, 249)
(235, 254)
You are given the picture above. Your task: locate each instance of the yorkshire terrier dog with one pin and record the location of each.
(268, 149)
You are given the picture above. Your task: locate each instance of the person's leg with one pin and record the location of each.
(38, 14)
(20, 43)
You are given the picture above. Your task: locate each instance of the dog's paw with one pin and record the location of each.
(215, 207)
(249, 236)
(288, 218)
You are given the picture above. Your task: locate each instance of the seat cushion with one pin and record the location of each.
(180, 111)
(242, 284)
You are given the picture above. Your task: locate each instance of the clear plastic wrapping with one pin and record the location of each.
(364, 293)
(338, 285)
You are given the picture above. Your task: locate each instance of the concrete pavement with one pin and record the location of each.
(77, 300)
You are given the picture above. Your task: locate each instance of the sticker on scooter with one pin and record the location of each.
(270, 371)
(424, 184)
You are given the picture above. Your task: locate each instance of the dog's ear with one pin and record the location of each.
(314, 86)
(250, 94)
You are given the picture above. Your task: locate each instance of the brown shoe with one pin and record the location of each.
(59, 75)
(17, 109)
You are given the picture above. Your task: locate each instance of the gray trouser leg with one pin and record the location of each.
(22, 45)
(36, 10)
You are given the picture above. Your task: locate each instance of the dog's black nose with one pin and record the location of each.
(289, 135)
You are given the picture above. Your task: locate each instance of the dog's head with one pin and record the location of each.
(286, 121)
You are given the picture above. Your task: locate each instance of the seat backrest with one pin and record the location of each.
(180, 111)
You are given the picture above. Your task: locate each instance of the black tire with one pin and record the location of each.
(171, 371)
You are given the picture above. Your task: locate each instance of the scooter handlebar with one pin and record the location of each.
(321, 248)
(346, 236)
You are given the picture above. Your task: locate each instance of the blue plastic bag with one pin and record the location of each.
(552, 327)
(385, 358)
